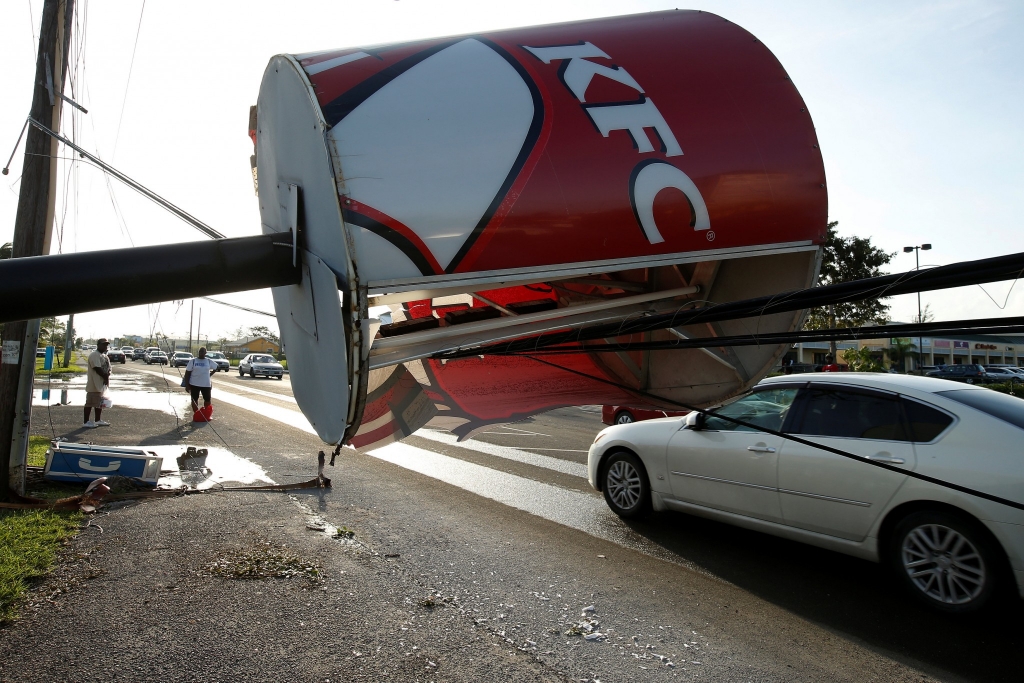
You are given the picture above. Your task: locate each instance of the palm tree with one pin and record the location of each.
(900, 349)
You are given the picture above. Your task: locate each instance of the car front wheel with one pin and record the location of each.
(625, 485)
(624, 418)
(945, 561)
(241, 373)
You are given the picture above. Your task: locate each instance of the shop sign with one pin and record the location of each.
(985, 347)
(961, 345)
(942, 343)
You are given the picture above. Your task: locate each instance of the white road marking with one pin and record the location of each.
(525, 457)
(583, 511)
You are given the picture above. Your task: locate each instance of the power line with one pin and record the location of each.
(124, 98)
(241, 308)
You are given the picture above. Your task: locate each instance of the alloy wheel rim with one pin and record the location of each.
(624, 420)
(624, 484)
(943, 564)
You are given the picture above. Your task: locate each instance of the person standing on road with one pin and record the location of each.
(197, 380)
(96, 383)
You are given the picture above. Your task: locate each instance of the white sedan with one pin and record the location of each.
(260, 364)
(953, 550)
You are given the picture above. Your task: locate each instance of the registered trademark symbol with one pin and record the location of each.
(711, 235)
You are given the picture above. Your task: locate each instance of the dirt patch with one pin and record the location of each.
(264, 560)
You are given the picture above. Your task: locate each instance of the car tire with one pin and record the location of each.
(945, 560)
(240, 373)
(969, 380)
(252, 373)
(626, 487)
(280, 377)
(624, 417)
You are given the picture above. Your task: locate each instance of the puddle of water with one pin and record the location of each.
(130, 391)
(221, 466)
(136, 398)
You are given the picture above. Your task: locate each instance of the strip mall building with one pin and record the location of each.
(980, 349)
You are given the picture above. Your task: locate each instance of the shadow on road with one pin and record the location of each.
(855, 598)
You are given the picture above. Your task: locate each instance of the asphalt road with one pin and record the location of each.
(506, 535)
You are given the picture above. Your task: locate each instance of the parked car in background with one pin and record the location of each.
(181, 359)
(969, 373)
(156, 357)
(622, 415)
(127, 351)
(1002, 374)
(951, 550)
(260, 364)
(116, 356)
(138, 353)
(220, 360)
(40, 352)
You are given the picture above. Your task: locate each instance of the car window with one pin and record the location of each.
(262, 359)
(828, 411)
(1002, 406)
(925, 422)
(765, 408)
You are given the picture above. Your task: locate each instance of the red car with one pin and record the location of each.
(620, 415)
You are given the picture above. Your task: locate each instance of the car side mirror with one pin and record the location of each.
(695, 421)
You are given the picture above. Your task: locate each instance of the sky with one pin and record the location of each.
(916, 105)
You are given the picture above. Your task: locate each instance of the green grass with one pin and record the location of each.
(29, 540)
(57, 370)
(37, 446)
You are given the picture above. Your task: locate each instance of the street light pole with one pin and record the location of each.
(917, 266)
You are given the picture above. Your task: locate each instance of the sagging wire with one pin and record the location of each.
(796, 439)
(131, 66)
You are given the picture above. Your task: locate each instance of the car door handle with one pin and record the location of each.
(885, 457)
(761, 449)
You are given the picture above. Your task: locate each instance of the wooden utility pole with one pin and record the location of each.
(32, 228)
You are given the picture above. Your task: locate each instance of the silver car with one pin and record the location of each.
(260, 364)
(952, 550)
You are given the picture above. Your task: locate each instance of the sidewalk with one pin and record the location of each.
(137, 595)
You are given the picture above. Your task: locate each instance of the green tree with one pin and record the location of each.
(52, 331)
(927, 315)
(861, 360)
(900, 349)
(845, 259)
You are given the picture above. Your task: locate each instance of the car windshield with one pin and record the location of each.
(215, 354)
(1002, 406)
(262, 359)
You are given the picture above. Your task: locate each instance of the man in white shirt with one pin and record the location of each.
(96, 381)
(197, 380)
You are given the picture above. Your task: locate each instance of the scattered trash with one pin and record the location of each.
(583, 627)
(588, 608)
(594, 636)
(94, 494)
(193, 459)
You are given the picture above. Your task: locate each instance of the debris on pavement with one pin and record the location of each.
(264, 560)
